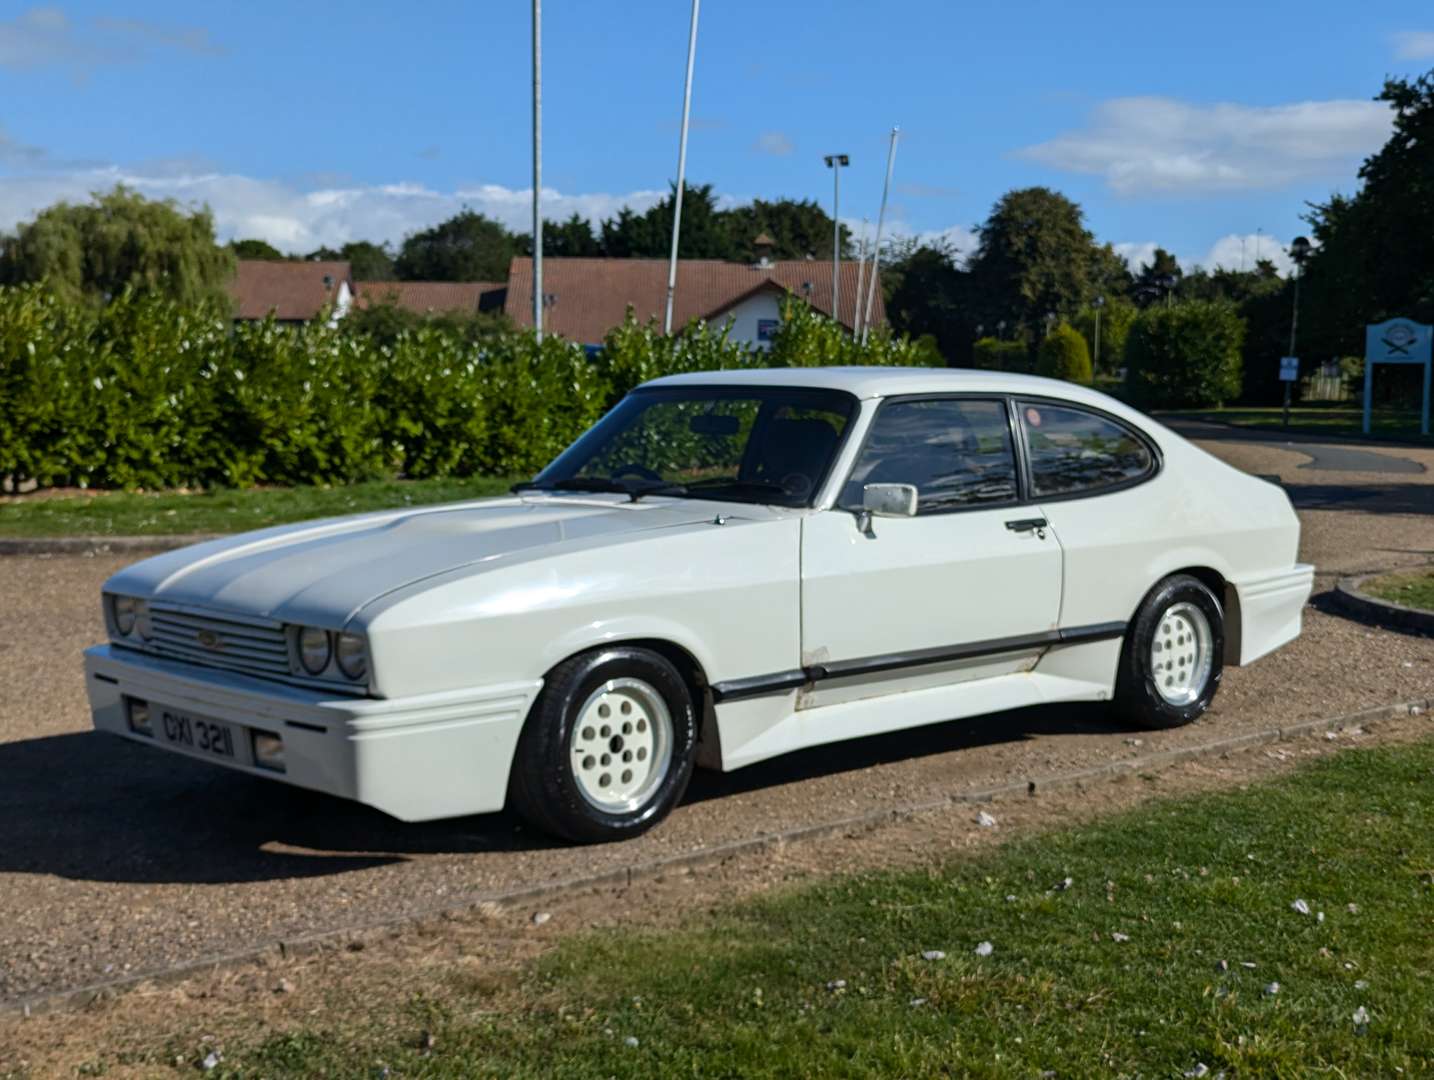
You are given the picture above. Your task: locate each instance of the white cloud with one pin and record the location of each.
(46, 37)
(1235, 252)
(1152, 145)
(296, 220)
(1414, 45)
(773, 142)
(1136, 255)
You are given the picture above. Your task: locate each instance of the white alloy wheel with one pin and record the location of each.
(1181, 654)
(622, 745)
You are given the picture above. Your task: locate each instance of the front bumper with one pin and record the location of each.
(417, 758)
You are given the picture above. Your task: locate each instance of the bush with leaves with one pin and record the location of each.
(1185, 356)
(1063, 355)
(992, 354)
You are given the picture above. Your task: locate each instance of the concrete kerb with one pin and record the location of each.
(1349, 595)
(97, 545)
(356, 937)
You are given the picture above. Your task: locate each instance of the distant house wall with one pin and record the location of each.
(752, 319)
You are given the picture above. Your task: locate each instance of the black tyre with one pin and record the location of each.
(608, 747)
(1172, 660)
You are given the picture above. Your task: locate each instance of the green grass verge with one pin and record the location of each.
(1411, 589)
(1324, 420)
(118, 513)
(752, 991)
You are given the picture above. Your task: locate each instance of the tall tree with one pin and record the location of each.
(466, 247)
(256, 249)
(926, 293)
(120, 240)
(367, 261)
(1374, 258)
(573, 237)
(1036, 259)
(705, 229)
(1157, 279)
(798, 228)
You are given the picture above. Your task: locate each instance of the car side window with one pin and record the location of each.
(1071, 451)
(957, 451)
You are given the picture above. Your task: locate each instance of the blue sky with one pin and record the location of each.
(1189, 126)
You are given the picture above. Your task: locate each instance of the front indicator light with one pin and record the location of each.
(139, 717)
(315, 649)
(268, 751)
(351, 656)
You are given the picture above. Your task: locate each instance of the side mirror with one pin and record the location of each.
(889, 500)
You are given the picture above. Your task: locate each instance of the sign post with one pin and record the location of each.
(1289, 373)
(1397, 341)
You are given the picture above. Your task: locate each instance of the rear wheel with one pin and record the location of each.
(608, 748)
(1172, 660)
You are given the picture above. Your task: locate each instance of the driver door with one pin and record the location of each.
(968, 588)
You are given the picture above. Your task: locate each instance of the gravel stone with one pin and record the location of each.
(985, 949)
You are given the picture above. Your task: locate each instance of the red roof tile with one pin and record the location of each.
(291, 290)
(424, 297)
(588, 297)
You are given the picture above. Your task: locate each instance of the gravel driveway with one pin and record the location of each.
(115, 859)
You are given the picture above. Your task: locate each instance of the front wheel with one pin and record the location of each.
(1172, 660)
(608, 748)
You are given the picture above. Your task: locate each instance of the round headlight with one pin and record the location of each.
(352, 659)
(315, 647)
(126, 612)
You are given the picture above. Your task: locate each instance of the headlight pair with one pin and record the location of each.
(318, 648)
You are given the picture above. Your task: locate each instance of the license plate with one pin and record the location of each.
(199, 735)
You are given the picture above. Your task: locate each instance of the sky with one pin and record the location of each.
(1202, 128)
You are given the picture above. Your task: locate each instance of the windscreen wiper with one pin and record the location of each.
(633, 491)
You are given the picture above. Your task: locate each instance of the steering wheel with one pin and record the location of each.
(632, 468)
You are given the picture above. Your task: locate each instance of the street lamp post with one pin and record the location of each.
(836, 162)
(1097, 303)
(1299, 252)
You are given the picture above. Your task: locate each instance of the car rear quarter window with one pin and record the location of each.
(1071, 451)
(957, 452)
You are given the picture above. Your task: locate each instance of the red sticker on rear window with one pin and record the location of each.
(1033, 417)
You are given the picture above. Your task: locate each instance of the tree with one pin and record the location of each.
(797, 227)
(927, 294)
(1185, 355)
(120, 240)
(574, 237)
(466, 247)
(1158, 279)
(256, 249)
(1373, 258)
(1036, 257)
(648, 235)
(368, 261)
(1063, 355)
(1116, 317)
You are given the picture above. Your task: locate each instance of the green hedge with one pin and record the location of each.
(1186, 355)
(143, 393)
(1063, 355)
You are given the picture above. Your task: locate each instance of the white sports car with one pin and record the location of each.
(727, 567)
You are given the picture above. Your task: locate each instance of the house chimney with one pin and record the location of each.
(763, 246)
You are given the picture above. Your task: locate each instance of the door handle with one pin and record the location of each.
(1037, 525)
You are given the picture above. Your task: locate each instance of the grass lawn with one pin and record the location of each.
(1410, 589)
(118, 513)
(1147, 945)
(1324, 420)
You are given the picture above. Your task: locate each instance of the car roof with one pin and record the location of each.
(874, 382)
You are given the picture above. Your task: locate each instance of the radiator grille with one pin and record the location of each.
(255, 647)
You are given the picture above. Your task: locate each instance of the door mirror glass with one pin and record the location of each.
(889, 500)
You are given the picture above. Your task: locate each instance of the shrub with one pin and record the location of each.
(1116, 318)
(1184, 356)
(145, 392)
(1063, 355)
(992, 354)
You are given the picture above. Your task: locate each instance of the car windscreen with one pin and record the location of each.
(740, 444)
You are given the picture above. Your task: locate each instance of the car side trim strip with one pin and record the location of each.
(760, 685)
(782, 681)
